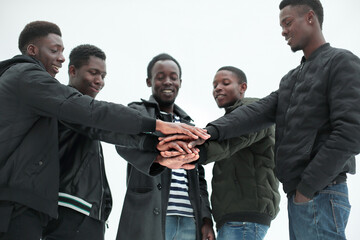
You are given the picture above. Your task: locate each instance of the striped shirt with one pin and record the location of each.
(179, 202)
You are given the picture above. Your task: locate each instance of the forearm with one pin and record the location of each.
(245, 119)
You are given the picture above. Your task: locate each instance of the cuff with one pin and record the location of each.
(306, 190)
(213, 132)
(148, 125)
(150, 143)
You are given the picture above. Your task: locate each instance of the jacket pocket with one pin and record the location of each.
(35, 167)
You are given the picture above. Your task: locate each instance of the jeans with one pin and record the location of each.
(180, 228)
(242, 231)
(323, 217)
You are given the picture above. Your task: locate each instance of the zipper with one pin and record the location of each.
(101, 179)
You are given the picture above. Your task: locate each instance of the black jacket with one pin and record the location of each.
(144, 210)
(317, 115)
(32, 102)
(83, 183)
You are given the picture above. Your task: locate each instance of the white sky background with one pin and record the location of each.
(202, 36)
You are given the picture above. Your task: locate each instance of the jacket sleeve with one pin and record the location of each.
(49, 98)
(220, 150)
(343, 142)
(144, 142)
(245, 119)
(141, 160)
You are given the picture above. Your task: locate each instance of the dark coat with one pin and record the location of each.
(244, 186)
(144, 211)
(83, 183)
(317, 115)
(31, 103)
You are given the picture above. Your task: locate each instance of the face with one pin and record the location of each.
(165, 82)
(227, 89)
(295, 27)
(49, 51)
(89, 78)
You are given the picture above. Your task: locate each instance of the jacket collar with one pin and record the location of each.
(320, 49)
(177, 110)
(238, 103)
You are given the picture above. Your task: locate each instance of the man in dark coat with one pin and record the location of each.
(173, 204)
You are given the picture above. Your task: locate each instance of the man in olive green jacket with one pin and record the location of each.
(245, 197)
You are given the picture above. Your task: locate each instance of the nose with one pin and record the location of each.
(217, 88)
(284, 31)
(99, 80)
(61, 57)
(167, 81)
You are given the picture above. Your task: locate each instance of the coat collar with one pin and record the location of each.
(177, 110)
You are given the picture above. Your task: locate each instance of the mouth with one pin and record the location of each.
(219, 96)
(167, 91)
(95, 89)
(56, 68)
(288, 40)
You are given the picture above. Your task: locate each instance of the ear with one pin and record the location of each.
(148, 82)
(180, 83)
(243, 87)
(310, 17)
(72, 71)
(32, 50)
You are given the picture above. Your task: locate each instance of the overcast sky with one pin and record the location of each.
(202, 36)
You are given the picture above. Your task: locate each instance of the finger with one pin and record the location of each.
(184, 146)
(198, 132)
(168, 154)
(175, 137)
(188, 166)
(195, 143)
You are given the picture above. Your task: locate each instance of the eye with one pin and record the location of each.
(53, 50)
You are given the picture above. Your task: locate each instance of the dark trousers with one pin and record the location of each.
(18, 222)
(72, 225)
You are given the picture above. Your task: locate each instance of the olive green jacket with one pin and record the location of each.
(244, 186)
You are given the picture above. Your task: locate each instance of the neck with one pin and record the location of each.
(168, 109)
(317, 42)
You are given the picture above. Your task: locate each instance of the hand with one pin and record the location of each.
(182, 161)
(174, 137)
(181, 128)
(207, 231)
(300, 198)
(177, 153)
(196, 143)
(180, 147)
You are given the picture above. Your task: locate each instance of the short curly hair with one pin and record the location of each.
(239, 73)
(315, 5)
(35, 30)
(161, 57)
(81, 54)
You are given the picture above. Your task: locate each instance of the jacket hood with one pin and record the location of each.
(4, 65)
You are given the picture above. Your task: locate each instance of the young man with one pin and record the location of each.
(85, 199)
(245, 197)
(317, 116)
(32, 102)
(173, 204)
